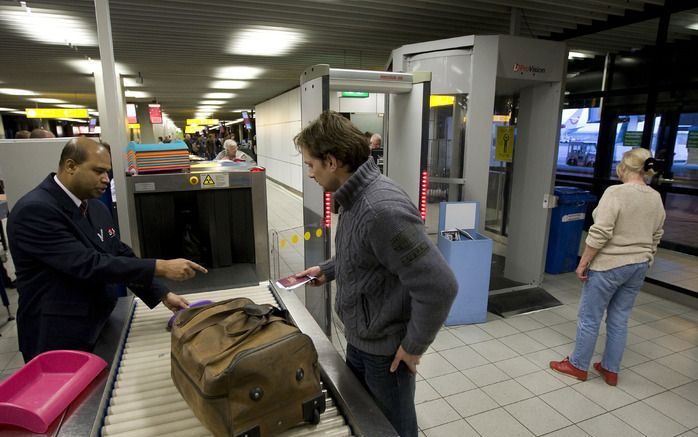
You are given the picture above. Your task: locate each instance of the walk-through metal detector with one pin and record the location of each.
(405, 152)
(479, 68)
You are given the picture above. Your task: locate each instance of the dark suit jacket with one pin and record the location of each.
(67, 269)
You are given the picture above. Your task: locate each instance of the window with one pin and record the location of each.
(579, 134)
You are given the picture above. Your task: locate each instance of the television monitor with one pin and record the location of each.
(131, 113)
(155, 113)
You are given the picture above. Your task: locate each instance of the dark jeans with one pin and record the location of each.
(393, 392)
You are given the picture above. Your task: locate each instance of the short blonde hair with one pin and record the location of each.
(636, 161)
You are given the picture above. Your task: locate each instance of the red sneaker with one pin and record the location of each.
(611, 378)
(567, 368)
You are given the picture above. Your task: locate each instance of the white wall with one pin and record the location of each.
(278, 121)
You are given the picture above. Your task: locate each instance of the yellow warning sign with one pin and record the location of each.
(208, 180)
(505, 143)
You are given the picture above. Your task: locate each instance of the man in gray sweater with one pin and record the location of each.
(394, 289)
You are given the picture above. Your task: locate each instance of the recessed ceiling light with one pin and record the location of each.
(70, 105)
(57, 29)
(136, 94)
(213, 102)
(89, 66)
(265, 41)
(219, 95)
(240, 110)
(578, 55)
(131, 82)
(238, 72)
(17, 92)
(43, 100)
(229, 84)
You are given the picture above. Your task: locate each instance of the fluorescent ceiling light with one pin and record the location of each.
(136, 94)
(17, 92)
(131, 82)
(229, 84)
(89, 66)
(693, 26)
(49, 28)
(265, 41)
(219, 95)
(238, 72)
(7, 109)
(19, 112)
(213, 102)
(578, 55)
(240, 110)
(43, 100)
(70, 105)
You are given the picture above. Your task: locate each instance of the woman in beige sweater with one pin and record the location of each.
(619, 249)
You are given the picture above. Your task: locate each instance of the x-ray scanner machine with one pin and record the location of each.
(479, 68)
(407, 97)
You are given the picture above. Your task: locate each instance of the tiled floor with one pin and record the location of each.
(493, 379)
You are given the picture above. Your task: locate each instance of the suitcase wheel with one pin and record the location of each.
(299, 374)
(256, 393)
(316, 417)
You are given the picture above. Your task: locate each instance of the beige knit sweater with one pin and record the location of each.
(627, 226)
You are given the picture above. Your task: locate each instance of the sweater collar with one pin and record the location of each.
(352, 188)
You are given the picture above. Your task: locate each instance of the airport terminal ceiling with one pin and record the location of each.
(218, 57)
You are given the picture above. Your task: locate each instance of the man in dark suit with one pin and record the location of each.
(69, 258)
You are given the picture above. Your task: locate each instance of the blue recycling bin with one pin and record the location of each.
(470, 257)
(566, 225)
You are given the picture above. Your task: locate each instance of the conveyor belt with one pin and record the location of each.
(144, 401)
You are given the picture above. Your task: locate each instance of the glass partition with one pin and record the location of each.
(579, 135)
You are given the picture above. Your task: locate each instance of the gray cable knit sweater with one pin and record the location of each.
(393, 286)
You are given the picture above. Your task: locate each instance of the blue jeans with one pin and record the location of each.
(393, 392)
(615, 291)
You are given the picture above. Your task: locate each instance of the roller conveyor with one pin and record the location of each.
(144, 401)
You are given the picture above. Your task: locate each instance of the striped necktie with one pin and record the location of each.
(83, 208)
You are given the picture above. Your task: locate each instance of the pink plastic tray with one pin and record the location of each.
(37, 393)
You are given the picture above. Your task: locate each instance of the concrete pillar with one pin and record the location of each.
(147, 134)
(112, 117)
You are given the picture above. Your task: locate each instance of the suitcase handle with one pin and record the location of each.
(242, 334)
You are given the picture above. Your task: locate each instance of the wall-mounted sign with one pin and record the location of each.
(441, 101)
(355, 94)
(131, 113)
(632, 138)
(504, 149)
(202, 121)
(56, 113)
(155, 113)
(134, 126)
(192, 129)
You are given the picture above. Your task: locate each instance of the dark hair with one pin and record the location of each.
(75, 150)
(332, 134)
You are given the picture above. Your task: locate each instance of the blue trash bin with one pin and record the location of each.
(566, 225)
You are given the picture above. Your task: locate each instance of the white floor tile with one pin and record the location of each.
(524, 323)
(688, 391)
(424, 392)
(547, 317)
(431, 365)
(661, 375)
(522, 343)
(603, 394)
(459, 428)
(676, 407)
(494, 350)
(649, 349)
(691, 353)
(632, 358)
(649, 421)
(540, 382)
(549, 337)
(543, 358)
(646, 331)
(498, 423)
(570, 431)
(681, 364)
(450, 384)
(568, 329)
(608, 425)
(517, 366)
(572, 404)
(463, 357)
(470, 334)
(445, 340)
(471, 402)
(435, 413)
(485, 375)
(637, 385)
(507, 392)
(537, 416)
(499, 328)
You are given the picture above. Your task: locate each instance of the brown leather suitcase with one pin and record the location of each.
(244, 370)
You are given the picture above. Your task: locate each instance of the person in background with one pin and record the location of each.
(620, 247)
(160, 140)
(231, 153)
(23, 135)
(41, 133)
(376, 142)
(394, 289)
(69, 259)
(187, 141)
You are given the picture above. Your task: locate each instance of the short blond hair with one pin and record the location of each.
(635, 161)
